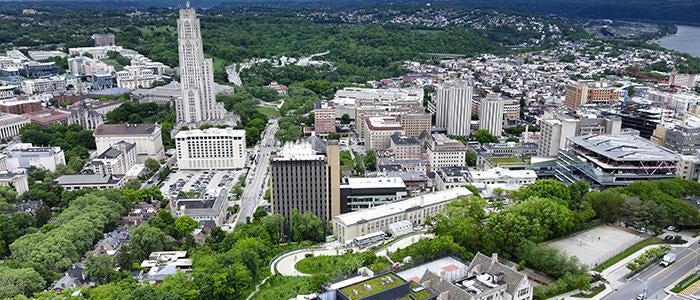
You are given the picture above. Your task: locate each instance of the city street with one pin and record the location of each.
(656, 278)
(257, 176)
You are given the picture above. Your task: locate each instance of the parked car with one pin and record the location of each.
(668, 238)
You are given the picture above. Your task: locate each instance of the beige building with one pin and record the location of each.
(378, 131)
(347, 227)
(590, 92)
(415, 123)
(556, 129)
(445, 152)
(116, 160)
(147, 137)
(211, 149)
(404, 147)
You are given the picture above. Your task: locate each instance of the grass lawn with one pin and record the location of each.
(377, 285)
(685, 283)
(338, 265)
(632, 249)
(510, 160)
(280, 287)
(219, 64)
(346, 159)
(268, 111)
(594, 291)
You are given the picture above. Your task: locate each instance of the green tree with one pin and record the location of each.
(306, 227)
(133, 184)
(553, 217)
(370, 161)
(484, 136)
(609, 206)
(470, 158)
(184, 225)
(345, 119)
(143, 240)
(152, 165)
(546, 188)
(100, 268)
(24, 281)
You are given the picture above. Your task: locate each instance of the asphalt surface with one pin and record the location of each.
(257, 175)
(656, 278)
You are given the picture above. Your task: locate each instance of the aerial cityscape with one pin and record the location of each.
(350, 150)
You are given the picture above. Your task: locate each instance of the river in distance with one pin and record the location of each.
(687, 40)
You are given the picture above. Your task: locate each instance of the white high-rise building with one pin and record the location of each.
(211, 149)
(198, 102)
(454, 107)
(491, 114)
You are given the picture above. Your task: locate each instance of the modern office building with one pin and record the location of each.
(347, 227)
(614, 160)
(10, 125)
(212, 148)
(147, 137)
(491, 114)
(378, 132)
(683, 138)
(116, 160)
(554, 131)
(590, 92)
(198, 102)
(33, 69)
(454, 107)
(445, 152)
(307, 179)
(361, 193)
(25, 155)
(324, 120)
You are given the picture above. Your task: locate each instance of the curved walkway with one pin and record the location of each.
(285, 264)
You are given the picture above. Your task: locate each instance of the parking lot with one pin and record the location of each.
(199, 181)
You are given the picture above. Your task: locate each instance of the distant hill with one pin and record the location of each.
(669, 11)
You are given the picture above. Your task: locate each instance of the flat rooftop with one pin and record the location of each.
(211, 132)
(625, 148)
(401, 206)
(125, 129)
(372, 286)
(374, 182)
(446, 265)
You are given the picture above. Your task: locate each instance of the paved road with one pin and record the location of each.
(154, 179)
(656, 278)
(257, 176)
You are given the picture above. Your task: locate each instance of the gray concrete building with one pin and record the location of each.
(684, 139)
(306, 178)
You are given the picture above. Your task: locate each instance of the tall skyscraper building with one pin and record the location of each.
(454, 107)
(198, 102)
(491, 114)
(306, 177)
